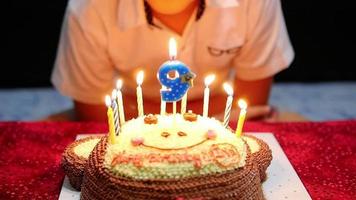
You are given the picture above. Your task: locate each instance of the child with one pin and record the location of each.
(101, 41)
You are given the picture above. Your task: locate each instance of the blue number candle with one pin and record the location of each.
(175, 87)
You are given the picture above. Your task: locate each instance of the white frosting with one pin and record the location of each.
(151, 133)
(253, 144)
(196, 132)
(84, 149)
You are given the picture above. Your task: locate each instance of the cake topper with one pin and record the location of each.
(174, 88)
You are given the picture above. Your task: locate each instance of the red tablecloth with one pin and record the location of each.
(323, 154)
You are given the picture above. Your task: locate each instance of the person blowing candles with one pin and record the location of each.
(103, 40)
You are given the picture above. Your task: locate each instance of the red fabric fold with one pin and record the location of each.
(323, 154)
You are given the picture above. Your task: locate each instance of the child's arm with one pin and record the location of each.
(90, 112)
(83, 68)
(256, 92)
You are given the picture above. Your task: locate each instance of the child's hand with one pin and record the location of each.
(263, 112)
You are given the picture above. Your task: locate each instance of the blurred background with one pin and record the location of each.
(320, 84)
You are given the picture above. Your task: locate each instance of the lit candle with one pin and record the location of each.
(208, 80)
(115, 111)
(243, 106)
(139, 80)
(183, 105)
(111, 138)
(120, 102)
(163, 105)
(230, 92)
(176, 87)
(172, 48)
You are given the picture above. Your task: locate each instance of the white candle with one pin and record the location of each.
(115, 111)
(120, 102)
(172, 48)
(243, 106)
(163, 104)
(174, 107)
(139, 80)
(230, 92)
(183, 105)
(163, 107)
(208, 80)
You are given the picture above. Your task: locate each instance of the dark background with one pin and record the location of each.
(321, 33)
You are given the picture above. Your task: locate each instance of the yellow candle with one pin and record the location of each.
(208, 80)
(243, 106)
(139, 80)
(120, 102)
(183, 105)
(110, 114)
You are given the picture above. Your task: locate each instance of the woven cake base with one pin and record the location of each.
(100, 183)
(263, 157)
(73, 165)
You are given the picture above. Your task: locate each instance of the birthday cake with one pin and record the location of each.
(170, 155)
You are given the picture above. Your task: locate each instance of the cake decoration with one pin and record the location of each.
(211, 134)
(165, 134)
(137, 141)
(181, 133)
(190, 116)
(150, 119)
(225, 154)
(162, 148)
(176, 87)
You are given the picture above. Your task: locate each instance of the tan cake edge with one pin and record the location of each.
(73, 164)
(263, 157)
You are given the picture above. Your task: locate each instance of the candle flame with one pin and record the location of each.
(172, 48)
(242, 104)
(228, 89)
(119, 84)
(139, 77)
(107, 100)
(114, 94)
(209, 79)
